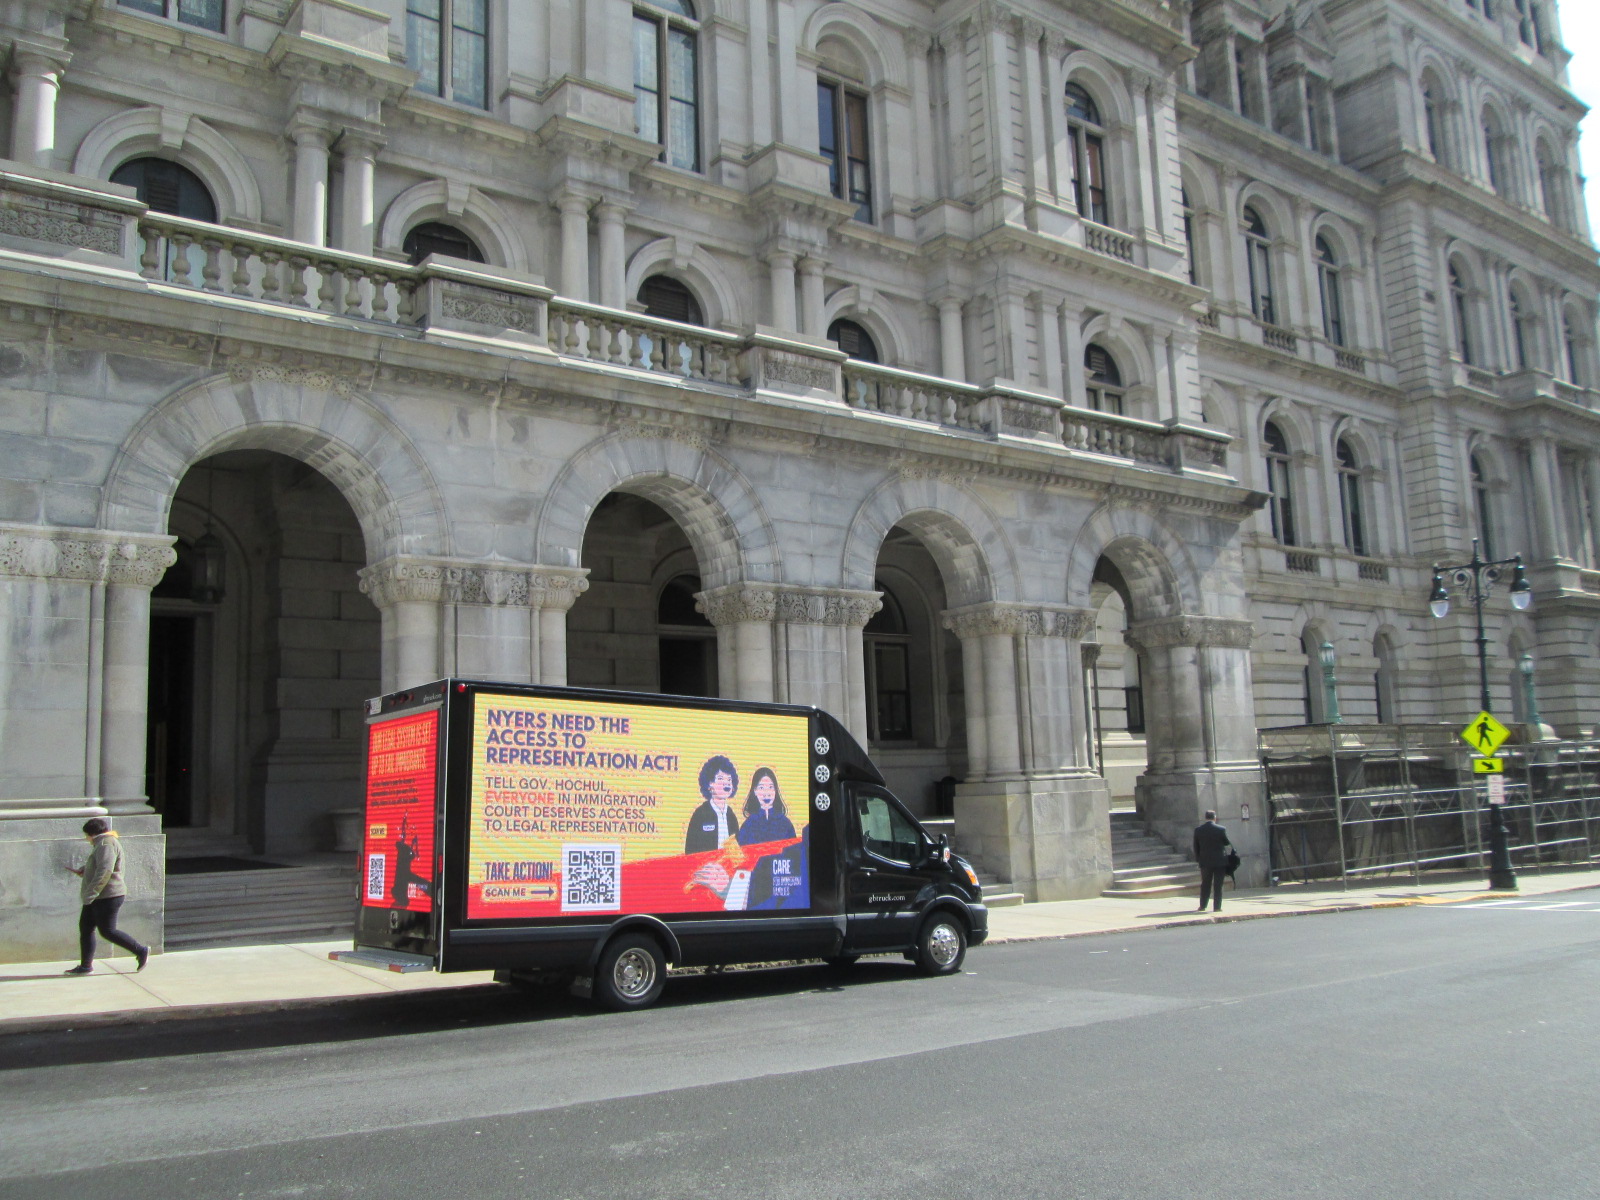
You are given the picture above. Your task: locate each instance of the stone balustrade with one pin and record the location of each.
(880, 389)
(1104, 240)
(623, 339)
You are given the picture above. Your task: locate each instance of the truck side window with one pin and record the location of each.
(886, 831)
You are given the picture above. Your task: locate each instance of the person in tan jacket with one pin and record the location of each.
(102, 894)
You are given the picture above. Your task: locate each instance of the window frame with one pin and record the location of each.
(1482, 503)
(1086, 146)
(1279, 458)
(892, 633)
(1523, 334)
(448, 33)
(665, 21)
(836, 142)
(1330, 289)
(1104, 386)
(1258, 260)
(1352, 507)
(171, 11)
(1461, 313)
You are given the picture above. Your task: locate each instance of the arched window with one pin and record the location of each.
(1328, 287)
(1350, 506)
(667, 298)
(1461, 311)
(203, 14)
(1569, 349)
(1494, 152)
(853, 340)
(1186, 206)
(1316, 699)
(1258, 254)
(1280, 491)
(1482, 506)
(435, 237)
(1086, 139)
(843, 141)
(1522, 333)
(1432, 119)
(888, 656)
(167, 187)
(447, 45)
(1104, 380)
(1383, 681)
(666, 79)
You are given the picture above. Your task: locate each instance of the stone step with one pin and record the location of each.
(1177, 870)
(1142, 893)
(291, 903)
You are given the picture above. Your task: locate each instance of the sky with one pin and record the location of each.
(1580, 31)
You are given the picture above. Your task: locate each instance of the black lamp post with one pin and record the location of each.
(1475, 580)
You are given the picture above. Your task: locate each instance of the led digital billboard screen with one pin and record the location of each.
(402, 799)
(591, 807)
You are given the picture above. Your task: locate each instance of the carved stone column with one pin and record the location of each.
(952, 339)
(33, 119)
(1200, 722)
(311, 142)
(817, 651)
(574, 245)
(780, 275)
(74, 653)
(812, 297)
(408, 592)
(743, 614)
(1031, 810)
(613, 254)
(358, 152)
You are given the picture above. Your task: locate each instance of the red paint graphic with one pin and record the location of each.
(402, 797)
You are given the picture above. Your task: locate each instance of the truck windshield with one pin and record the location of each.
(886, 831)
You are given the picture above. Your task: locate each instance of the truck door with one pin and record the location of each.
(887, 848)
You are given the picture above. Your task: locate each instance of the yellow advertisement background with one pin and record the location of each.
(750, 740)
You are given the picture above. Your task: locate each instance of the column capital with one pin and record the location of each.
(360, 143)
(1186, 630)
(737, 602)
(38, 61)
(307, 130)
(404, 577)
(574, 203)
(825, 606)
(85, 555)
(1001, 618)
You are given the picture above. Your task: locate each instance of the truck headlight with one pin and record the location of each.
(972, 876)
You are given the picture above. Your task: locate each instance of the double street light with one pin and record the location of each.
(1475, 580)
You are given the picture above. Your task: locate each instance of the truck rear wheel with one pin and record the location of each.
(941, 944)
(630, 973)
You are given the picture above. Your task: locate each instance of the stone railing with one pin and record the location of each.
(1347, 361)
(1373, 572)
(1301, 561)
(1103, 240)
(253, 266)
(1117, 437)
(622, 339)
(880, 389)
(1279, 339)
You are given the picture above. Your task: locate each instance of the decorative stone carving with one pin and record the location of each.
(292, 376)
(454, 581)
(808, 375)
(652, 431)
(1226, 632)
(997, 618)
(86, 555)
(61, 223)
(737, 602)
(826, 606)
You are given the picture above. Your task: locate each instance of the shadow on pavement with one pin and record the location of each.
(164, 1033)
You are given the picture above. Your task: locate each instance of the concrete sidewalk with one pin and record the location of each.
(240, 979)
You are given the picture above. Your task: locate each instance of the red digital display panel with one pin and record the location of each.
(402, 798)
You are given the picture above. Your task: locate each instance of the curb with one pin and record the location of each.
(1219, 919)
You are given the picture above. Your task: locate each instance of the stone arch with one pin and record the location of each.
(848, 24)
(1102, 81)
(692, 265)
(457, 204)
(1273, 210)
(1199, 181)
(716, 506)
(1162, 578)
(862, 306)
(303, 415)
(972, 551)
(1342, 236)
(1297, 426)
(183, 137)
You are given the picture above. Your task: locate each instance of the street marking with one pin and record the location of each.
(1571, 906)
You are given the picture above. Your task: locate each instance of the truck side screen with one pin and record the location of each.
(593, 807)
(402, 797)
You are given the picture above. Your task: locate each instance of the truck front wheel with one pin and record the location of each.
(630, 973)
(942, 944)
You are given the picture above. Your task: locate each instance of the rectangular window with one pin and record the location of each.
(891, 680)
(447, 44)
(202, 14)
(666, 88)
(842, 138)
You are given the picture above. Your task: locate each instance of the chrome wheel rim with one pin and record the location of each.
(635, 973)
(944, 943)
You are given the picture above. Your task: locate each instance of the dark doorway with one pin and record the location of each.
(169, 750)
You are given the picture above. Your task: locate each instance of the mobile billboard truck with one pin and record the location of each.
(566, 832)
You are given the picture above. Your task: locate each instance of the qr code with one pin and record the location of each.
(591, 878)
(375, 868)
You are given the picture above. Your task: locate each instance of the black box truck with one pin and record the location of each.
(544, 832)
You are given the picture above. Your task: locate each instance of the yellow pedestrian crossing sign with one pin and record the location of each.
(1484, 734)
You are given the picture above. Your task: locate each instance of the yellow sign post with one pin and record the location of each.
(1484, 734)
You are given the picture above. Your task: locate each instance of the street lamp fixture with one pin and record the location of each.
(1475, 580)
(1330, 685)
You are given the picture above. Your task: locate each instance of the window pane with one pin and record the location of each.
(207, 14)
(468, 68)
(471, 15)
(683, 137)
(155, 7)
(422, 44)
(680, 65)
(683, 130)
(828, 131)
(646, 83)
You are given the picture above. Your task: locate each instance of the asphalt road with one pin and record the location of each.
(1419, 1052)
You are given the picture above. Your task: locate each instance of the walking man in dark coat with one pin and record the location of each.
(1211, 847)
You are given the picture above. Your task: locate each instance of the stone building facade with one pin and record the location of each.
(1035, 387)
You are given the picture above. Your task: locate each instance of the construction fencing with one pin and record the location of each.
(1352, 802)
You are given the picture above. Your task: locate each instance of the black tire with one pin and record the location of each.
(941, 944)
(630, 973)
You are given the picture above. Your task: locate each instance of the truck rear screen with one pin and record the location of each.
(402, 790)
(592, 807)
